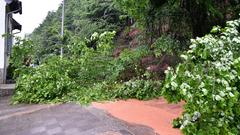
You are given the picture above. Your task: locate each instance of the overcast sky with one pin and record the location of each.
(34, 12)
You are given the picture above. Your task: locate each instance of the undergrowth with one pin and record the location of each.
(87, 73)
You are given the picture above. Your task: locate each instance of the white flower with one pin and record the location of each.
(184, 91)
(185, 123)
(196, 116)
(174, 84)
(193, 46)
(198, 77)
(166, 71)
(205, 91)
(218, 80)
(182, 127)
(231, 118)
(218, 98)
(225, 82)
(94, 36)
(238, 126)
(185, 86)
(187, 73)
(218, 64)
(231, 94)
(201, 85)
(222, 94)
(220, 42)
(185, 57)
(190, 51)
(235, 39)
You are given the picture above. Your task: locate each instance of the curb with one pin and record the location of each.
(7, 89)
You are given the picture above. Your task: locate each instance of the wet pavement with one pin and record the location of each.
(63, 119)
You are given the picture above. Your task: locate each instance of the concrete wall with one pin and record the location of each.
(2, 44)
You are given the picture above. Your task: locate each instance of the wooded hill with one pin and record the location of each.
(82, 19)
(181, 19)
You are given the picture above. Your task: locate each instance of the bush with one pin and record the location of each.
(97, 92)
(166, 45)
(87, 73)
(21, 57)
(56, 77)
(139, 89)
(47, 82)
(92, 65)
(208, 81)
(127, 65)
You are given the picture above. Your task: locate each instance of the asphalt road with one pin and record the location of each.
(63, 119)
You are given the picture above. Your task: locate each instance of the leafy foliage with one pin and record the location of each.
(22, 55)
(82, 19)
(127, 65)
(139, 89)
(138, 10)
(22, 50)
(47, 82)
(56, 77)
(182, 18)
(92, 66)
(88, 73)
(166, 45)
(208, 81)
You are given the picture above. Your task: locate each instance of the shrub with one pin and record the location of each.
(166, 45)
(208, 81)
(97, 92)
(88, 73)
(47, 82)
(56, 77)
(127, 65)
(21, 57)
(139, 89)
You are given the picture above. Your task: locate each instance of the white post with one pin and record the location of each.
(3, 53)
(62, 28)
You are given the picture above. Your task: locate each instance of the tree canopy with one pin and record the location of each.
(82, 19)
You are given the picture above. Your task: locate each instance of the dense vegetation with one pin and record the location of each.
(86, 75)
(120, 49)
(208, 81)
(182, 19)
(82, 19)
